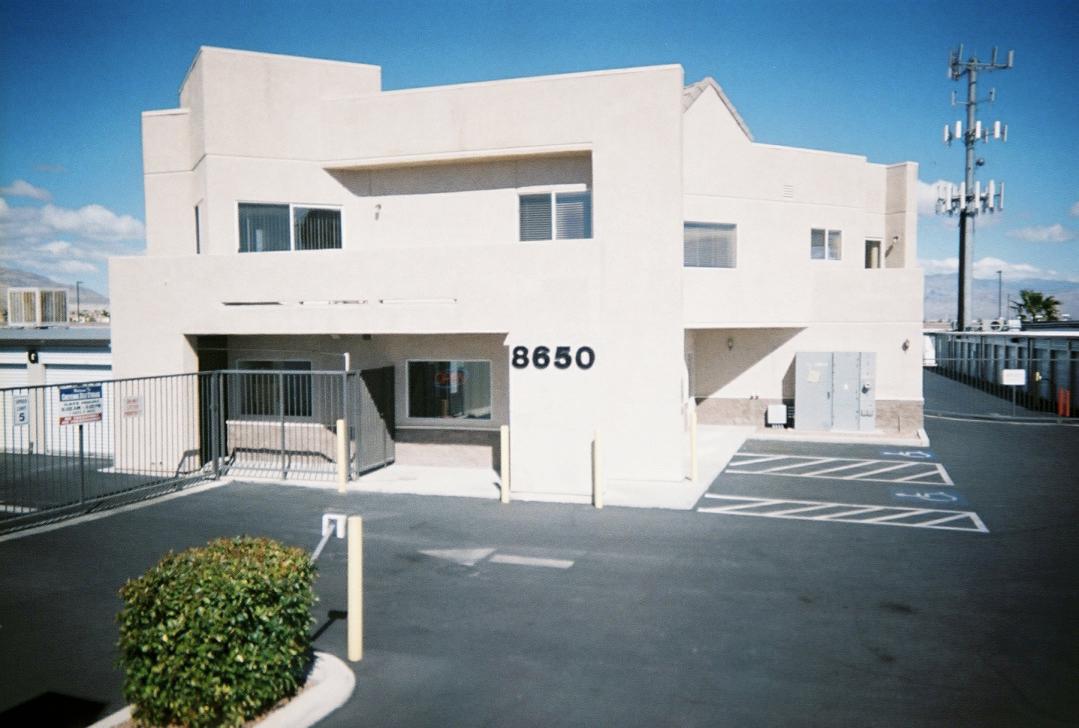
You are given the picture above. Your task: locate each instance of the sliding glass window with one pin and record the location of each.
(267, 228)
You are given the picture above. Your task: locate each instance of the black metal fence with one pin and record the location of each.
(1000, 387)
(69, 449)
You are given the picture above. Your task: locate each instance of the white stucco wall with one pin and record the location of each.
(442, 254)
(776, 196)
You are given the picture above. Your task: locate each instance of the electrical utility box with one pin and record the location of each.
(835, 390)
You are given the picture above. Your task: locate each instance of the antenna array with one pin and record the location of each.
(970, 198)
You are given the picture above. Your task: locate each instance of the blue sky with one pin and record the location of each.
(860, 77)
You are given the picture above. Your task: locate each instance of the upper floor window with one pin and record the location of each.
(556, 215)
(266, 228)
(825, 244)
(710, 245)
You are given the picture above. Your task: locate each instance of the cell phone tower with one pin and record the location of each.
(970, 198)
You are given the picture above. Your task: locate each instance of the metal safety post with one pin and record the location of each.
(355, 588)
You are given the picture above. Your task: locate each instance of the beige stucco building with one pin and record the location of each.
(624, 221)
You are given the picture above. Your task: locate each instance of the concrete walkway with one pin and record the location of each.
(715, 446)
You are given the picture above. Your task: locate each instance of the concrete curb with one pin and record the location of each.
(328, 687)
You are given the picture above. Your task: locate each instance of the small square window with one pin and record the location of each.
(825, 244)
(710, 245)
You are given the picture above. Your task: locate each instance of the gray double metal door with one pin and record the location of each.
(835, 391)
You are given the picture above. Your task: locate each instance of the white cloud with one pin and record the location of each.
(988, 267)
(22, 188)
(927, 197)
(1043, 234)
(939, 266)
(30, 226)
(92, 221)
(76, 266)
(57, 247)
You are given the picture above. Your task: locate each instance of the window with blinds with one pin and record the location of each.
(536, 217)
(710, 245)
(825, 244)
(266, 228)
(556, 216)
(316, 229)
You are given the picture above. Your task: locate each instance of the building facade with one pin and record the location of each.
(568, 255)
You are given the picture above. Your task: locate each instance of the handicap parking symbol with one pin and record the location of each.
(915, 454)
(944, 498)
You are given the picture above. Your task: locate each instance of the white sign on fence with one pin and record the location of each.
(1013, 377)
(21, 407)
(132, 405)
(80, 403)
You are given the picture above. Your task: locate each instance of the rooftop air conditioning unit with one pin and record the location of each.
(36, 306)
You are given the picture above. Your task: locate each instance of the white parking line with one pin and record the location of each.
(530, 561)
(736, 505)
(878, 471)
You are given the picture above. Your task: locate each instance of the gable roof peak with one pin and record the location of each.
(694, 90)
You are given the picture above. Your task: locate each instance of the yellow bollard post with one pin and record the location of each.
(693, 446)
(597, 472)
(342, 456)
(355, 588)
(504, 461)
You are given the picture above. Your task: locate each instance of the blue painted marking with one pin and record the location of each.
(913, 454)
(929, 496)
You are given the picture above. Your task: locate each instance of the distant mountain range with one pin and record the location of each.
(941, 296)
(15, 278)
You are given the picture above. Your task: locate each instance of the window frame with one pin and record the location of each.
(732, 226)
(552, 192)
(339, 209)
(443, 421)
(827, 246)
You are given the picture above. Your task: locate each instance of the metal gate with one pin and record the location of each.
(376, 446)
(70, 448)
(67, 449)
(282, 422)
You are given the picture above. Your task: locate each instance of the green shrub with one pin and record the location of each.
(216, 635)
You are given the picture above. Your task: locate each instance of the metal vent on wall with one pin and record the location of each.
(788, 191)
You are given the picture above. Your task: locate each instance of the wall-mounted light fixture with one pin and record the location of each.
(906, 344)
(378, 210)
(730, 343)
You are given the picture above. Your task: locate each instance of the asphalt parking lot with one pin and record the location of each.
(544, 614)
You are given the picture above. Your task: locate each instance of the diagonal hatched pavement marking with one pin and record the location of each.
(805, 466)
(870, 515)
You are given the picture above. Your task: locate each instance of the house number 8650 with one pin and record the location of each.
(542, 357)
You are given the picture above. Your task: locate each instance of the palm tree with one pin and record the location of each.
(1036, 306)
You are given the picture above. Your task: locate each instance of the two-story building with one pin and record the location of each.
(566, 255)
